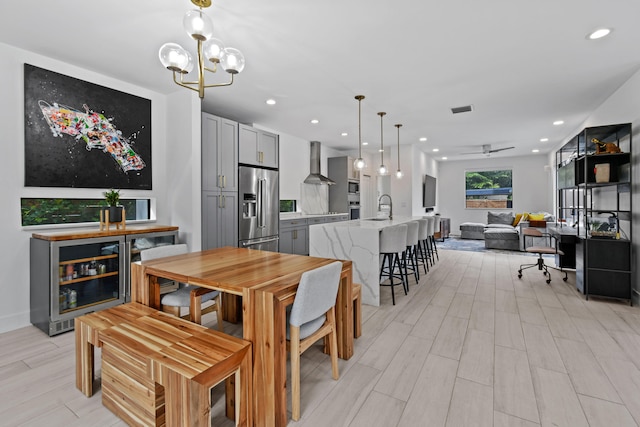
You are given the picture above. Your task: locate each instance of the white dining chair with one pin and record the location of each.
(186, 296)
(313, 317)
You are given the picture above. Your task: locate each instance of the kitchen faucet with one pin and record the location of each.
(390, 205)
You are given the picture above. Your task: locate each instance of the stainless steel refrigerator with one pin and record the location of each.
(259, 208)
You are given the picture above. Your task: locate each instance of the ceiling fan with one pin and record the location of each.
(486, 150)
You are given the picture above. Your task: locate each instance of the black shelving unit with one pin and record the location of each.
(598, 206)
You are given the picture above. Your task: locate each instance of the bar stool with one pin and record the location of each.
(411, 253)
(393, 241)
(431, 221)
(423, 236)
(436, 227)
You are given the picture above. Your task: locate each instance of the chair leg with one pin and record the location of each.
(218, 300)
(435, 247)
(172, 310)
(195, 309)
(333, 343)
(295, 371)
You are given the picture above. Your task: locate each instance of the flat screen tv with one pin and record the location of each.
(429, 193)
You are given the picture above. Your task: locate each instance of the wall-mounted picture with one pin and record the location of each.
(80, 134)
(491, 189)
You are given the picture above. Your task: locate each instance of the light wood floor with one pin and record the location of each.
(472, 345)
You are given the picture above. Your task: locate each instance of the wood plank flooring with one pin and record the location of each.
(471, 345)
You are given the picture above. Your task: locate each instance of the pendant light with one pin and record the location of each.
(382, 170)
(359, 163)
(399, 173)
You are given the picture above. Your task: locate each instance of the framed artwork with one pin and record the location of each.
(490, 189)
(80, 134)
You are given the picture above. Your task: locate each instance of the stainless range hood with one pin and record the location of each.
(315, 177)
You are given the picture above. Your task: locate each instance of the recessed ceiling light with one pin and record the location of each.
(315, 121)
(599, 33)
(544, 139)
(435, 150)
(344, 134)
(271, 102)
(535, 150)
(365, 143)
(423, 139)
(444, 158)
(558, 122)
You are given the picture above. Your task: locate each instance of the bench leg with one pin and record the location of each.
(84, 359)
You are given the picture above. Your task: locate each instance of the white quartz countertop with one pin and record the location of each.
(293, 215)
(373, 224)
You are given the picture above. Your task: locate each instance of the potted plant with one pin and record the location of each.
(112, 197)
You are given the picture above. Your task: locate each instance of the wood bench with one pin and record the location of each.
(158, 369)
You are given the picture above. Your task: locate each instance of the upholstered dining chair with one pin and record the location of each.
(312, 317)
(186, 296)
(540, 251)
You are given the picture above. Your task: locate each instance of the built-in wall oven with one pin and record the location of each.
(354, 210)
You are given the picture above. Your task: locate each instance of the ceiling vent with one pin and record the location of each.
(464, 109)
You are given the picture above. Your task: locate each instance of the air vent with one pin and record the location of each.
(464, 109)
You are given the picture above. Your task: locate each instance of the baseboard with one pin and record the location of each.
(14, 321)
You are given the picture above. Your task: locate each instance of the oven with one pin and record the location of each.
(354, 210)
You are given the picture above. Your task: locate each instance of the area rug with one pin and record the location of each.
(455, 243)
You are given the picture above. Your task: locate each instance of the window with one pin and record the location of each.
(73, 211)
(489, 189)
(287, 205)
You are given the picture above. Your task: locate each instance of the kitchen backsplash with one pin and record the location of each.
(314, 198)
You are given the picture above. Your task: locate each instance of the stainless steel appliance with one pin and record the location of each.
(354, 187)
(354, 210)
(259, 208)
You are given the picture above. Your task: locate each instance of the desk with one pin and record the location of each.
(267, 283)
(566, 238)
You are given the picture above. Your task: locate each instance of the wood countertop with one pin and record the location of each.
(87, 233)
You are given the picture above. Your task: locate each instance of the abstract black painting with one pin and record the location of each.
(80, 134)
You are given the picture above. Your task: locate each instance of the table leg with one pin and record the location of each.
(344, 315)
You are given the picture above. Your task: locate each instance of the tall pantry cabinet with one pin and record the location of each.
(219, 182)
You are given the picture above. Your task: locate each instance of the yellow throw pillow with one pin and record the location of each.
(536, 217)
(517, 219)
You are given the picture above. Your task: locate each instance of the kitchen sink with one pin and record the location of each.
(376, 219)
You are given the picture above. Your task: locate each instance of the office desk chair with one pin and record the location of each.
(541, 250)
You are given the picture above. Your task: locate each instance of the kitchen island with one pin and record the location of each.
(358, 241)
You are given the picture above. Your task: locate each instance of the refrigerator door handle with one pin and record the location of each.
(259, 241)
(261, 213)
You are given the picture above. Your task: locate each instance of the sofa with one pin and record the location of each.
(503, 229)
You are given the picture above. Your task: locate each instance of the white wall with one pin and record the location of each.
(14, 253)
(532, 187)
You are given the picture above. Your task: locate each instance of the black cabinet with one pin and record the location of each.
(594, 198)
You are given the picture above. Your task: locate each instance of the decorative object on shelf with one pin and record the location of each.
(113, 213)
(200, 27)
(399, 171)
(382, 170)
(605, 147)
(359, 164)
(601, 170)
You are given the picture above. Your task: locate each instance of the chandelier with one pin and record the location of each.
(200, 27)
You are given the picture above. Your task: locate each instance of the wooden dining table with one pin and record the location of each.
(266, 282)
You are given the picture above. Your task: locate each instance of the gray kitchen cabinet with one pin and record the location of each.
(294, 236)
(219, 153)
(257, 147)
(219, 219)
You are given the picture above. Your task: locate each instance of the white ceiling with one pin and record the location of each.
(521, 64)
